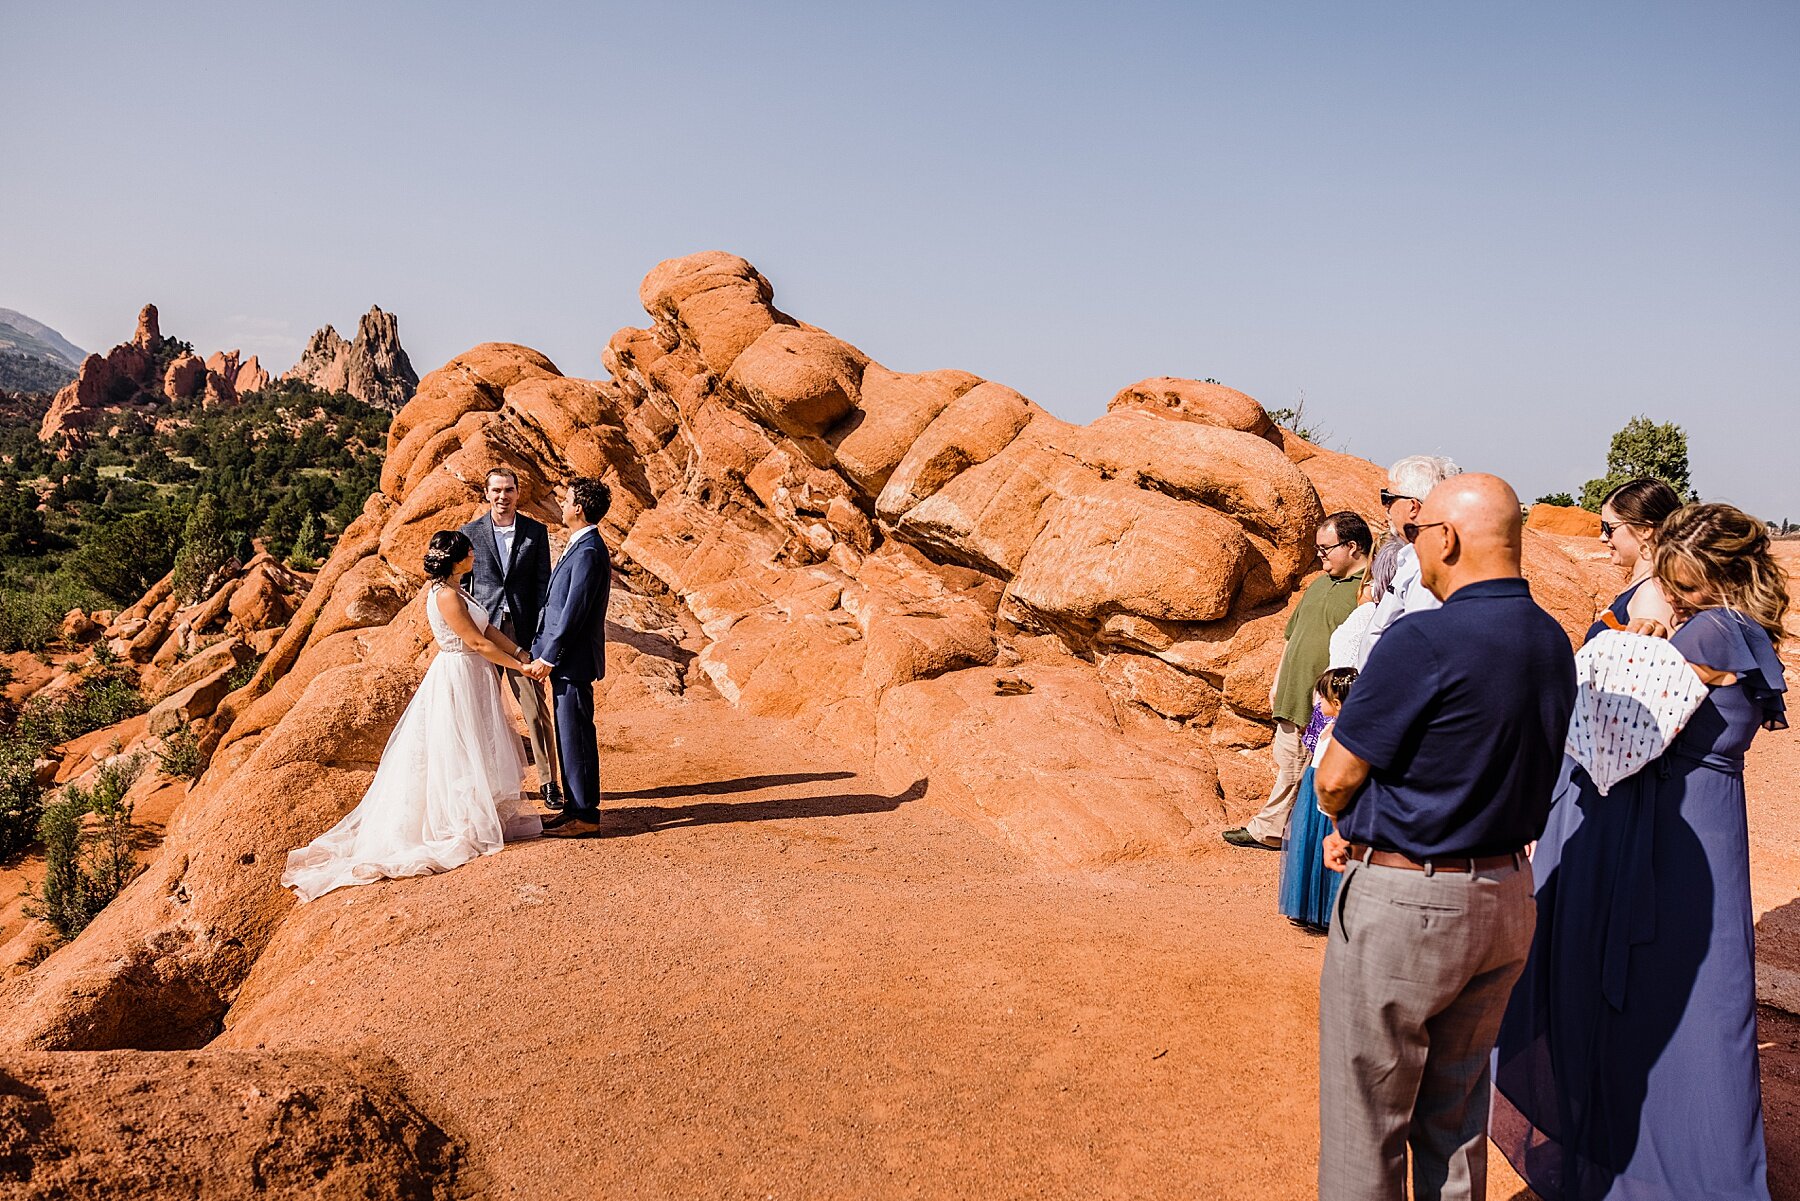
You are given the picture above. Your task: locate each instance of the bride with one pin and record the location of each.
(448, 785)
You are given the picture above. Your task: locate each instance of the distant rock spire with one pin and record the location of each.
(373, 368)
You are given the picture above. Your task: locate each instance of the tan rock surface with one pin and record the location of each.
(780, 610)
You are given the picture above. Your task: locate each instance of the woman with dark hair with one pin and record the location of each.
(1628, 519)
(1626, 1066)
(448, 787)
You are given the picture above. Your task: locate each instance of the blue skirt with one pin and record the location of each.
(1308, 890)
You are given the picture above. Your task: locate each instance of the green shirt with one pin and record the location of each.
(1323, 608)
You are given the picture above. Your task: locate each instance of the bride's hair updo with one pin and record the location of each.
(446, 549)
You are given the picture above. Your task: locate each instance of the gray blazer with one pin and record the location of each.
(524, 581)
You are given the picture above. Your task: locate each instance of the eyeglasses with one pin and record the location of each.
(1411, 529)
(1325, 550)
(1388, 498)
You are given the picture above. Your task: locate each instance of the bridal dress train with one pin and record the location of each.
(447, 788)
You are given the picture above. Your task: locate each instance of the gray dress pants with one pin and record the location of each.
(535, 712)
(1418, 969)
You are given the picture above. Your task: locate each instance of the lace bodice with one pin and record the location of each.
(440, 629)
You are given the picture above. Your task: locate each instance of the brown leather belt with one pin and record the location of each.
(1461, 863)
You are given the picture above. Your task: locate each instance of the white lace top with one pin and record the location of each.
(447, 640)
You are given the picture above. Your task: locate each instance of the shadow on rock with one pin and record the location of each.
(644, 819)
(720, 787)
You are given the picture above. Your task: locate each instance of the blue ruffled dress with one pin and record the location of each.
(1307, 890)
(1626, 1067)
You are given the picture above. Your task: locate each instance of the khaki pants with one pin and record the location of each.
(1418, 969)
(1290, 764)
(536, 714)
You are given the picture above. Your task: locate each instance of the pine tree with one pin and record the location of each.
(309, 545)
(205, 547)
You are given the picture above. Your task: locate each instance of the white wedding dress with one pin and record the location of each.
(448, 785)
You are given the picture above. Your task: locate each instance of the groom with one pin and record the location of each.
(570, 652)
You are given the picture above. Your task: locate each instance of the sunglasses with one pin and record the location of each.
(1388, 498)
(1607, 528)
(1411, 529)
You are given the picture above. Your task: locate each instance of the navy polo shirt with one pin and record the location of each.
(1460, 714)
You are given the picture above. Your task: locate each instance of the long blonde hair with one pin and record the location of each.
(1718, 555)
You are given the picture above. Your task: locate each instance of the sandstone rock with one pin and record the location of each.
(1562, 519)
(78, 627)
(148, 335)
(1117, 549)
(250, 377)
(266, 596)
(798, 381)
(1052, 772)
(230, 653)
(858, 553)
(373, 367)
(185, 377)
(716, 300)
(892, 411)
(1193, 400)
(970, 430)
(191, 703)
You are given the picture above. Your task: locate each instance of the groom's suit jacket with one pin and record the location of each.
(572, 631)
(523, 581)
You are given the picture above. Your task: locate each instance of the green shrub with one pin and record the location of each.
(180, 754)
(100, 700)
(241, 675)
(31, 616)
(21, 800)
(84, 869)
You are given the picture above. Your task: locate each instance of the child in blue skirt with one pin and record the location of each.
(1307, 889)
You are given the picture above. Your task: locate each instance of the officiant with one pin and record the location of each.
(511, 581)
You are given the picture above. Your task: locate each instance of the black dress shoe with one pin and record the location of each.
(553, 798)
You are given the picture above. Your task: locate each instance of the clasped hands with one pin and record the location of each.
(536, 669)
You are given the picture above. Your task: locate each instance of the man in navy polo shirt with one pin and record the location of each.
(1440, 771)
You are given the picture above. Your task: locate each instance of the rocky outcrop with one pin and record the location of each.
(218, 1124)
(1069, 631)
(145, 373)
(1564, 520)
(373, 368)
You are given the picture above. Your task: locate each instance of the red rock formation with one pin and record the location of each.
(250, 377)
(1562, 519)
(860, 553)
(185, 377)
(373, 368)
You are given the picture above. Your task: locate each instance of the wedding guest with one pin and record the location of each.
(1342, 544)
(1409, 481)
(1627, 1063)
(1346, 640)
(1628, 518)
(511, 580)
(1307, 887)
(1439, 773)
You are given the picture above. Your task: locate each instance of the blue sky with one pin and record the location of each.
(1491, 231)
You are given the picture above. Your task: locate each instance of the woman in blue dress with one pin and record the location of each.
(1628, 518)
(1626, 1066)
(1307, 888)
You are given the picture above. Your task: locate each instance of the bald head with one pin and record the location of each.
(1470, 529)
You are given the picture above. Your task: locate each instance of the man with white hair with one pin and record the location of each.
(1410, 481)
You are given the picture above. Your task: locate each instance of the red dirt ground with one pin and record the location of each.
(770, 980)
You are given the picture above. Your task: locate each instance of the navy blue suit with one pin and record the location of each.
(572, 639)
